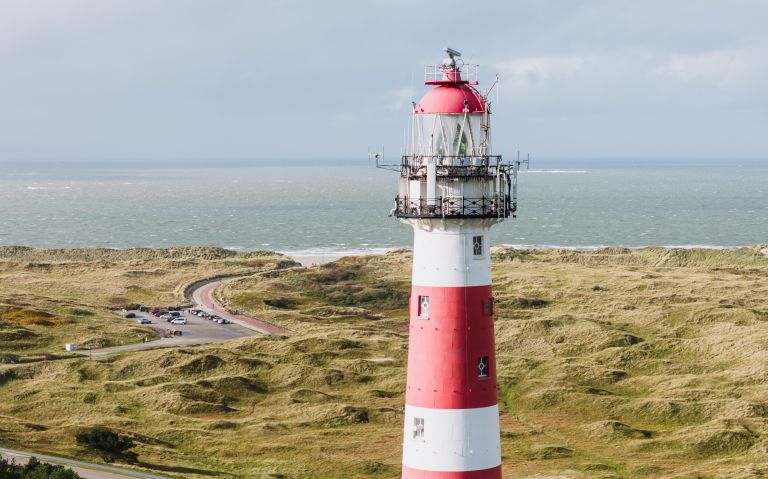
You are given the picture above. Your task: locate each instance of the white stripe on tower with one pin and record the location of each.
(451, 413)
(454, 439)
(444, 257)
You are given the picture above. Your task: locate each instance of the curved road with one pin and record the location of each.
(203, 299)
(84, 469)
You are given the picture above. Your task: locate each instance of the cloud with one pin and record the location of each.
(200, 78)
(635, 78)
(522, 74)
(400, 99)
(726, 69)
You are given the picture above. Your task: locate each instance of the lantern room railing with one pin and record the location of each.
(436, 74)
(454, 207)
(498, 204)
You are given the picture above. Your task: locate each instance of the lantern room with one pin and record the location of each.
(448, 170)
(449, 120)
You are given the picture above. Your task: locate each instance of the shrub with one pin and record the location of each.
(26, 316)
(282, 303)
(107, 443)
(35, 469)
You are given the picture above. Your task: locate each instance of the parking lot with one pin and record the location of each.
(196, 331)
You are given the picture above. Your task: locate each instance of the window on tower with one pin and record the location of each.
(483, 365)
(477, 245)
(418, 427)
(489, 307)
(423, 307)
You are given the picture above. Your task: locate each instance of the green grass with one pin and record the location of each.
(659, 372)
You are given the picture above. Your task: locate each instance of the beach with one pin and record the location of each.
(308, 260)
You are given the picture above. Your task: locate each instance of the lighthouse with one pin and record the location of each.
(452, 190)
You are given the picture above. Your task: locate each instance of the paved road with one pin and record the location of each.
(203, 299)
(85, 469)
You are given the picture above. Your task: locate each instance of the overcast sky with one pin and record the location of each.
(259, 79)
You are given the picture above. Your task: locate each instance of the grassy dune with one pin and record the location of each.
(612, 364)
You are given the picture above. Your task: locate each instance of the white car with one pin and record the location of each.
(167, 316)
(179, 321)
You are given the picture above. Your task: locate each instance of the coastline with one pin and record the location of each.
(320, 256)
(309, 258)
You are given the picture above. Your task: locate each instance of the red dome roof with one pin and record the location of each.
(450, 99)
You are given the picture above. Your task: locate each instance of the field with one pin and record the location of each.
(612, 364)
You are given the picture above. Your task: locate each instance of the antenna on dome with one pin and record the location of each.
(452, 55)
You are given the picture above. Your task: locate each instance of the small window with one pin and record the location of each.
(477, 245)
(489, 307)
(418, 427)
(482, 367)
(424, 307)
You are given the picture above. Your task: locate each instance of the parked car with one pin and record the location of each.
(144, 321)
(179, 321)
(143, 309)
(223, 321)
(167, 316)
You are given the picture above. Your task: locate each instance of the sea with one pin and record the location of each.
(330, 207)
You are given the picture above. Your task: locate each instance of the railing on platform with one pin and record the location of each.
(454, 207)
(438, 73)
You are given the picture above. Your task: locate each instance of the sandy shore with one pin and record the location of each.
(308, 258)
(314, 260)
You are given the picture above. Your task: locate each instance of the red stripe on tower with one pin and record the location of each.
(457, 334)
(452, 190)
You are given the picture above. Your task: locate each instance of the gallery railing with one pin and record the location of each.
(453, 207)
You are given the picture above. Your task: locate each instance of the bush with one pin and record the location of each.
(35, 469)
(107, 443)
(282, 303)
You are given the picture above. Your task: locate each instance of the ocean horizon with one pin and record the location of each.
(340, 207)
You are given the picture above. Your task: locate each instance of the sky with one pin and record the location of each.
(213, 80)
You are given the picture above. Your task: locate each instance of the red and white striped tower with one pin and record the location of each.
(452, 190)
